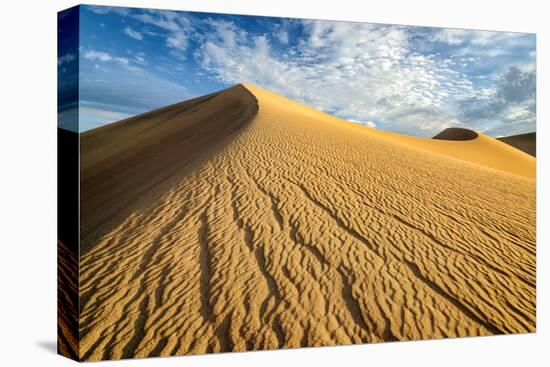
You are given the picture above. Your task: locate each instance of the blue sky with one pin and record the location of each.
(412, 80)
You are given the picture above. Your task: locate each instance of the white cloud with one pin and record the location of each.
(65, 59)
(177, 40)
(97, 55)
(163, 19)
(282, 36)
(133, 65)
(132, 33)
(98, 9)
(394, 75)
(140, 58)
(177, 26)
(452, 36)
(368, 123)
(475, 38)
(103, 56)
(511, 102)
(353, 70)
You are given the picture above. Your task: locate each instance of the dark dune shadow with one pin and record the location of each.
(525, 142)
(456, 133)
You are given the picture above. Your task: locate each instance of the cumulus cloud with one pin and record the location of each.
(177, 26)
(133, 64)
(477, 38)
(368, 123)
(132, 33)
(282, 36)
(353, 70)
(65, 59)
(483, 52)
(108, 9)
(511, 103)
(103, 56)
(411, 80)
(516, 86)
(451, 36)
(177, 41)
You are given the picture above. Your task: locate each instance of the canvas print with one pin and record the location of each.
(233, 183)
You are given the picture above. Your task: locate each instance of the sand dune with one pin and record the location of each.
(67, 301)
(294, 228)
(480, 150)
(119, 162)
(457, 134)
(524, 142)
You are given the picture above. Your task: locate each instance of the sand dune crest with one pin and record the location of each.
(122, 161)
(299, 229)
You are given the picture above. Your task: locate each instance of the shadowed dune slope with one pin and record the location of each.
(306, 230)
(121, 161)
(457, 134)
(524, 142)
(67, 301)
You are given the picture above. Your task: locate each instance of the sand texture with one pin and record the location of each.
(67, 301)
(294, 228)
(121, 162)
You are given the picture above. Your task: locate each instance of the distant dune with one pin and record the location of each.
(524, 142)
(244, 220)
(458, 134)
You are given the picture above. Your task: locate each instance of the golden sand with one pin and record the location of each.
(300, 229)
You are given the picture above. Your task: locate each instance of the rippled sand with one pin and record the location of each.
(293, 228)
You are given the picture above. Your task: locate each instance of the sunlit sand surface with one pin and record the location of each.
(247, 221)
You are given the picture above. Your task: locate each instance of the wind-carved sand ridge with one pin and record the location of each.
(295, 228)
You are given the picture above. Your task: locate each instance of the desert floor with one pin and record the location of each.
(267, 224)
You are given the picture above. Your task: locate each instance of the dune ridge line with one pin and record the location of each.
(243, 220)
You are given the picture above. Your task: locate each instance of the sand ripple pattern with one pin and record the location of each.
(301, 232)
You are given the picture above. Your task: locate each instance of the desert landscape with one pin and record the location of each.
(243, 220)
